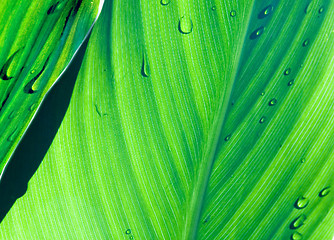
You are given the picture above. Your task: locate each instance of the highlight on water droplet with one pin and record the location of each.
(291, 82)
(257, 33)
(185, 25)
(164, 2)
(128, 231)
(213, 8)
(272, 102)
(145, 68)
(262, 94)
(32, 71)
(301, 203)
(287, 71)
(262, 119)
(302, 160)
(266, 11)
(306, 42)
(233, 13)
(131, 237)
(228, 137)
(298, 222)
(321, 10)
(324, 192)
(296, 236)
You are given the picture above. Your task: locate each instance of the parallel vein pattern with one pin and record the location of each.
(136, 156)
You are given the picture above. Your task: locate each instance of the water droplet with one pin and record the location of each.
(308, 7)
(272, 102)
(32, 85)
(164, 2)
(257, 33)
(207, 219)
(131, 237)
(306, 42)
(290, 83)
(296, 236)
(302, 160)
(228, 137)
(301, 203)
(11, 115)
(213, 8)
(287, 71)
(145, 68)
(262, 120)
(324, 192)
(266, 11)
(185, 25)
(233, 13)
(11, 137)
(298, 222)
(128, 231)
(32, 71)
(262, 94)
(321, 10)
(32, 107)
(5, 67)
(61, 5)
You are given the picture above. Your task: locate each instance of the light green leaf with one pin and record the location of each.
(37, 41)
(193, 120)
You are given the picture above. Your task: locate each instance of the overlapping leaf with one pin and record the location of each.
(37, 41)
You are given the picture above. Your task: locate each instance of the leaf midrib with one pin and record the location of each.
(197, 200)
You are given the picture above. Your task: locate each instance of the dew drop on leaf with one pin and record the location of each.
(213, 8)
(128, 231)
(164, 2)
(296, 236)
(321, 10)
(32, 107)
(32, 71)
(272, 102)
(302, 160)
(301, 203)
(257, 33)
(185, 25)
(11, 115)
(228, 137)
(324, 192)
(5, 67)
(11, 137)
(287, 71)
(131, 237)
(306, 42)
(145, 68)
(262, 94)
(233, 13)
(262, 120)
(298, 222)
(290, 83)
(266, 11)
(206, 219)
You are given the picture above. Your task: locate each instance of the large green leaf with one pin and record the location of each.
(37, 41)
(193, 120)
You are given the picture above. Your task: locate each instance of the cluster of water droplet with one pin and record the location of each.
(302, 203)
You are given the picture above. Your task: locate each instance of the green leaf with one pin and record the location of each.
(38, 40)
(193, 120)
